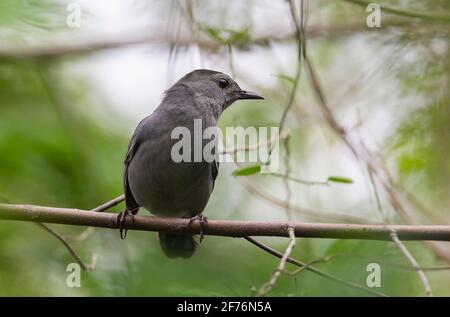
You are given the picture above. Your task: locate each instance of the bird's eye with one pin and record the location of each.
(223, 83)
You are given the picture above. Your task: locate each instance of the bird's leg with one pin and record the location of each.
(121, 221)
(203, 220)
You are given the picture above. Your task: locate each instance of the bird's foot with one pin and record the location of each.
(203, 220)
(121, 222)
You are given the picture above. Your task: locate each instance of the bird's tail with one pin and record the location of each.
(178, 245)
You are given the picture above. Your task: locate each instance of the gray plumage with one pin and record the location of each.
(152, 179)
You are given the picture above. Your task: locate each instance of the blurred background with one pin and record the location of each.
(72, 93)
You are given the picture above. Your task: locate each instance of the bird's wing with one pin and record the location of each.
(214, 170)
(132, 149)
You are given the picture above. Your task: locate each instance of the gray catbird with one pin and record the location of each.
(153, 180)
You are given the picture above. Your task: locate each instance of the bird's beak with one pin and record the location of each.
(243, 94)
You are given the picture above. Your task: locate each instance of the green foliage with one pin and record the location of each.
(54, 152)
(227, 36)
(19, 19)
(433, 16)
(423, 149)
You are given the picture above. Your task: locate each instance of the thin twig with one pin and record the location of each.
(300, 41)
(312, 268)
(86, 233)
(86, 267)
(253, 147)
(361, 154)
(287, 186)
(231, 61)
(66, 244)
(307, 212)
(301, 181)
(360, 151)
(433, 16)
(372, 259)
(412, 260)
(81, 236)
(397, 241)
(109, 204)
(266, 288)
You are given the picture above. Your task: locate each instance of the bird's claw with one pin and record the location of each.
(121, 221)
(203, 220)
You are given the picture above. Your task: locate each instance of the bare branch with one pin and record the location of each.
(169, 40)
(254, 147)
(307, 212)
(397, 241)
(312, 268)
(228, 228)
(276, 274)
(287, 200)
(362, 154)
(412, 260)
(72, 251)
(433, 16)
(373, 259)
(88, 231)
(109, 204)
(300, 38)
(301, 181)
(81, 236)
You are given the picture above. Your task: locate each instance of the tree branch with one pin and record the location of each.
(84, 266)
(311, 213)
(397, 241)
(109, 204)
(413, 261)
(203, 42)
(227, 228)
(433, 16)
(309, 267)
(280, 269)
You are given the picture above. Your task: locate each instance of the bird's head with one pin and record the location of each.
(214, 88)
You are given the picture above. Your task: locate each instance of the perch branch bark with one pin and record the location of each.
(228, 228)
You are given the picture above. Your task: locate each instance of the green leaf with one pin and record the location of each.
(235, 37)
(214, 33)
(340, 179)
(248, 170)
(227, 36)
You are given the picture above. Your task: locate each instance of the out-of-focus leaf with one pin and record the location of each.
(227, 36)
(248, 170)
(241, 36)
(340, 179)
